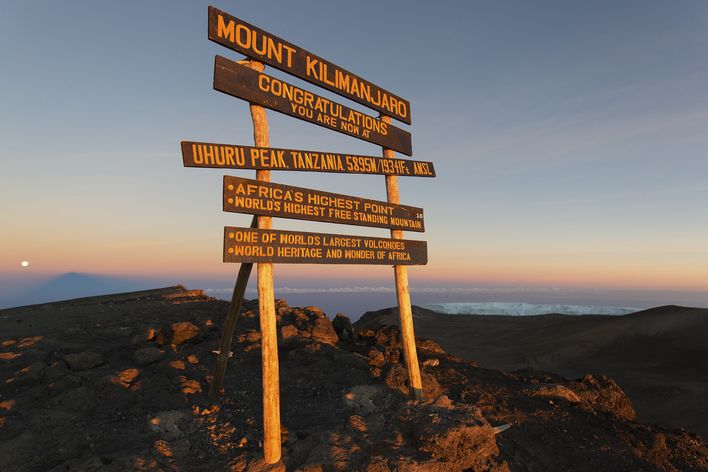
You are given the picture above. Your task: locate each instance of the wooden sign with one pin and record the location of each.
(271, 92)
(254, 197)
(247, 39)
(236, 156)
(294, 247)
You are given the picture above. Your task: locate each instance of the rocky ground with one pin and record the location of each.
(120, 383)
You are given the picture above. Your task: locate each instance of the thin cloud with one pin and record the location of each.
(382, 289)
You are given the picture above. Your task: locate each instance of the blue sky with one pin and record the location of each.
(569, 138)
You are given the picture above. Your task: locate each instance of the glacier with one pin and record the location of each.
(524, 309)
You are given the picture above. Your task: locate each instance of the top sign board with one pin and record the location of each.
(247, 39)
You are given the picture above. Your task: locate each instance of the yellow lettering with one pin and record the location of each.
(225, 31)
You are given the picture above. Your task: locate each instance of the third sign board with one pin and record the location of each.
(265, 198)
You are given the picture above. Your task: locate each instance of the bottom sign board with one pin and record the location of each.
(294, 247)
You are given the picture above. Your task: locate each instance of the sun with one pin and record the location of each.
(24, 263)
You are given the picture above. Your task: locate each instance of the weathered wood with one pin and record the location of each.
(266, 305)
(296, 247)
(236, 156)
(227, 331)
(403, 294)
(275, 94)
(252, 41)
(285, 201)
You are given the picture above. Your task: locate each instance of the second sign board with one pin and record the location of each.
(271, 92)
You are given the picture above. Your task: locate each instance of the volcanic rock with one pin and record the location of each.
(183, 332)
(147, 355)
(84, 360)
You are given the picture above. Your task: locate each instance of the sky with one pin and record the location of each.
(569, 139)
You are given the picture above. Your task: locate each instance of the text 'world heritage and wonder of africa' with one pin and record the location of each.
(293, 247)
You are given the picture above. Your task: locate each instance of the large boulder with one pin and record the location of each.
(84, 360)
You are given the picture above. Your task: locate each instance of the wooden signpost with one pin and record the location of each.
(264, 246)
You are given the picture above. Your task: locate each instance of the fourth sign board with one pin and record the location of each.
(294, 247)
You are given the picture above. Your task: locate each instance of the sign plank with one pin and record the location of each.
(264, 198)
(262, 89)
(294, 247)
(236, 156)
(247, 39)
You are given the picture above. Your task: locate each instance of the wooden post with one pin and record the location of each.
(402, 292)
(227, 332)
(266, 305)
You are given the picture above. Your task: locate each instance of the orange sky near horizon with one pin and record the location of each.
(639, 269)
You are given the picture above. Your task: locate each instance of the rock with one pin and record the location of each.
(376, 358)
(148, 335)
(392, 355)
(147, 355)
(288, 331)
(343, 326)
(553, 390)
(81, 399)
(181, 447)
(111, 332)
(365, 399)
(8, 405)
(312, 468)
(323, 331)
(252, 336)
(183, 332)
(167, 423)
(192, 359)
(461, 437)
(84, 360)
(189, 386)
(444, 402)
(56, 370)
(603, 394)
(126, 377)
(397, 378)
(163, 448)
(388, 336)
(429, 345)
(316, 311)
(63, 384)
(358, 423)
(86, 463)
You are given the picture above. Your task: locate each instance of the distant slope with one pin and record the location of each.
(659, 356)
(74, 285)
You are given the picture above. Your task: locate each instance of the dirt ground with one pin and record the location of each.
(120, 383)
(659, 357)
